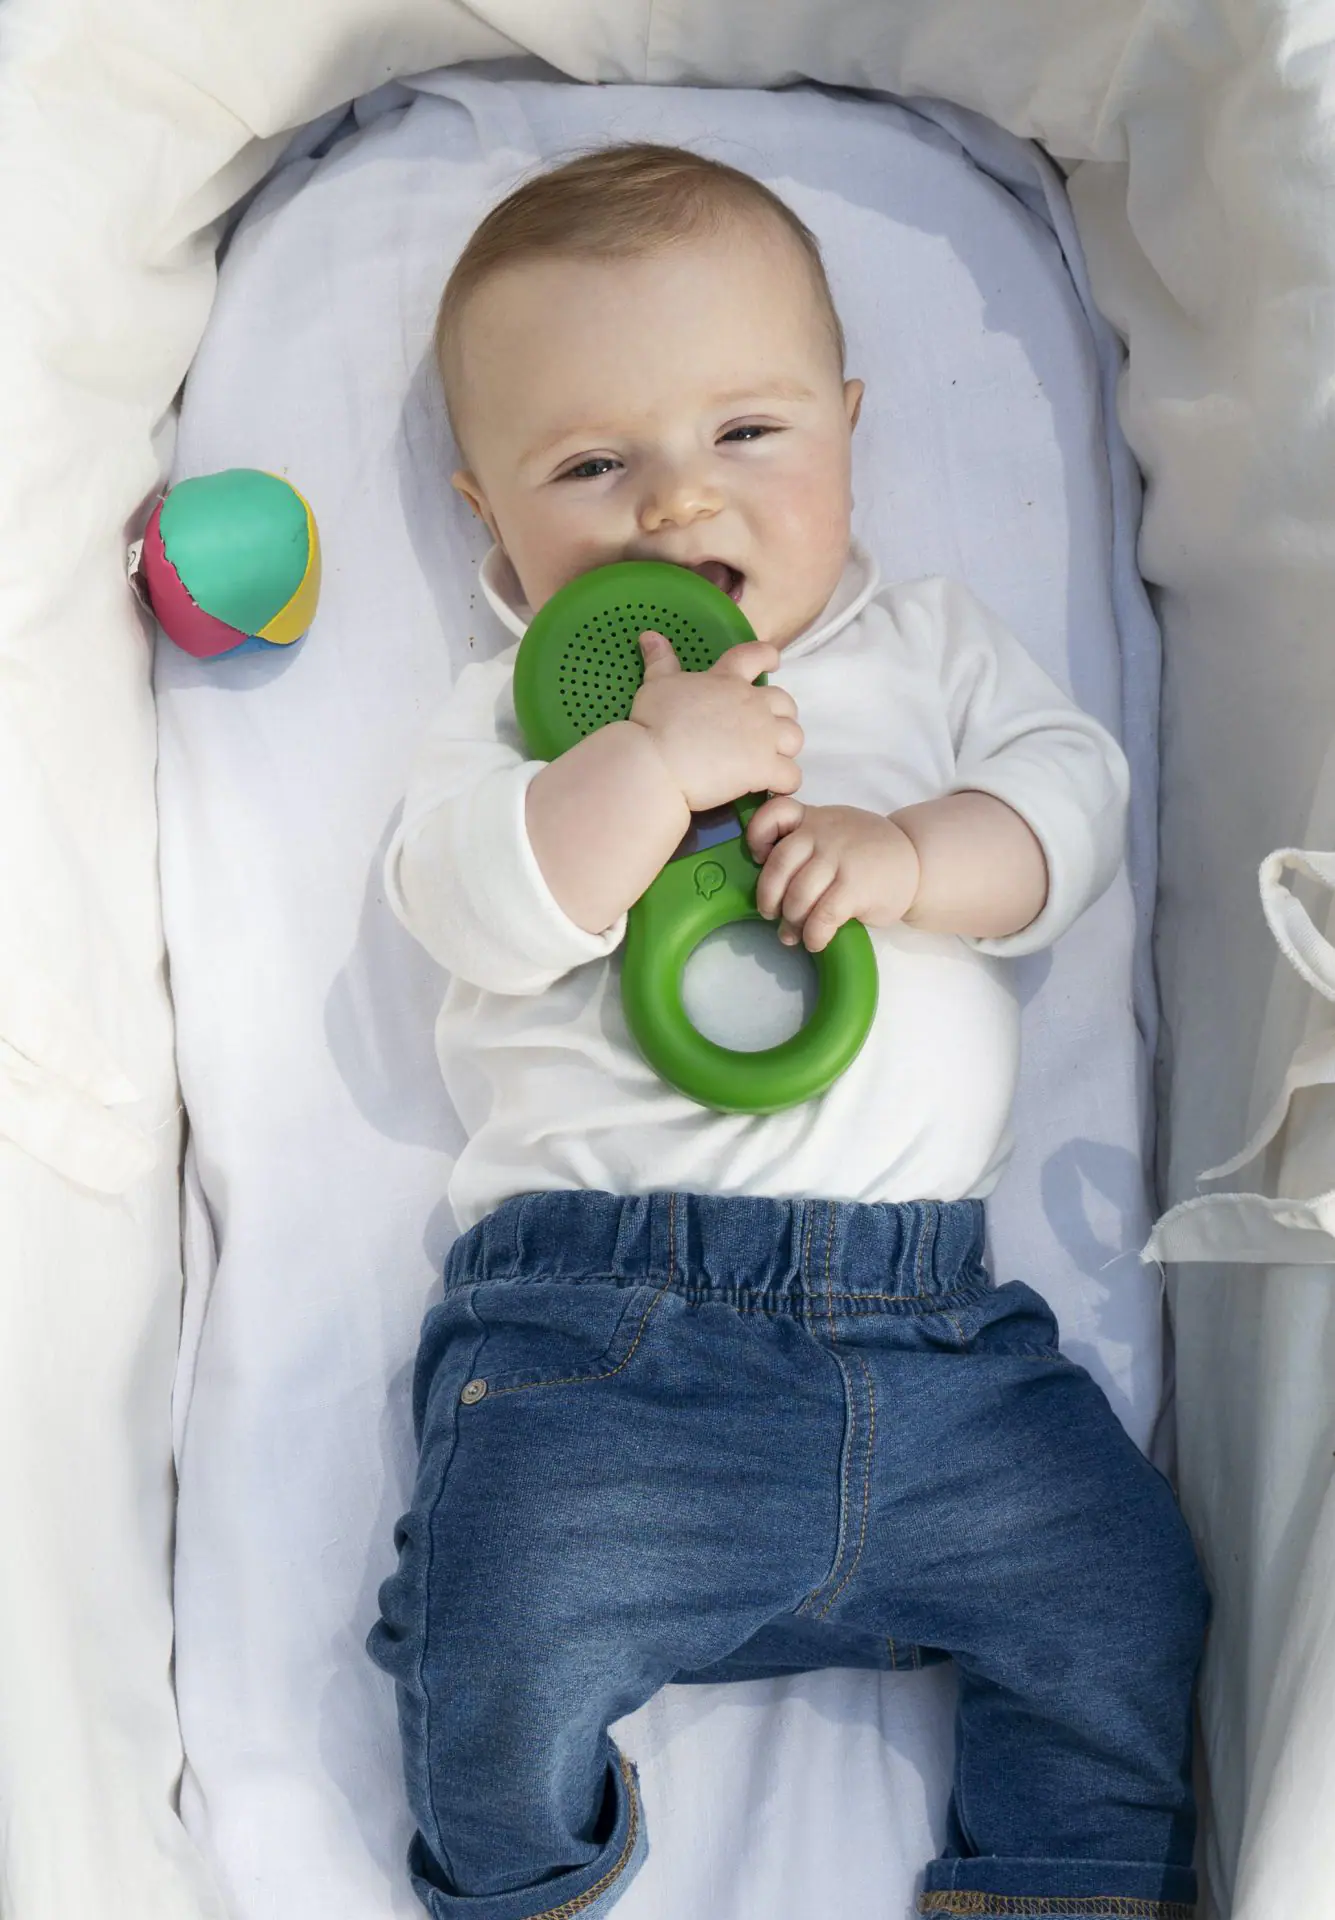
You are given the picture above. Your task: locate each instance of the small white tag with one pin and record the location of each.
(134, 574)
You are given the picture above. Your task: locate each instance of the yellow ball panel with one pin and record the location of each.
(292, 620)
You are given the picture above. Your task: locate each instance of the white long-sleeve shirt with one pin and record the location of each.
(903, 693)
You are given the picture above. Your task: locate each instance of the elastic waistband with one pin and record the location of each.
(716, 1244)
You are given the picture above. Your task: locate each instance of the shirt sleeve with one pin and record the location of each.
(460, 870)
(1017, 736)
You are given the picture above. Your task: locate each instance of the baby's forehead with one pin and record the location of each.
(740, 243)
(584, 302)
(718, 308)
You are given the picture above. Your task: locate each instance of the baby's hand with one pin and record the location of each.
(719, 736)
(824, 865)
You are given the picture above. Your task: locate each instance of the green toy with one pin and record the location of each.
(579, 667)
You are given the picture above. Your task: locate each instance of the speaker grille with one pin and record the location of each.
(601, 667)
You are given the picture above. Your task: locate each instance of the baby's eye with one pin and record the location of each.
(750, 432)
(591, 469)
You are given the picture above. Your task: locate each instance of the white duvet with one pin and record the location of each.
(321, 1137)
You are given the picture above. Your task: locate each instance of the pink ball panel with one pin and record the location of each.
(193, 630)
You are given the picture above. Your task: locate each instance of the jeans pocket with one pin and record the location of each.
(549, 1333)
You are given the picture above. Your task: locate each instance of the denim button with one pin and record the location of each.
(473, 1392)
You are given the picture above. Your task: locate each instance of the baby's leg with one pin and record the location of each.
(602, 1499)
(1013, 1522)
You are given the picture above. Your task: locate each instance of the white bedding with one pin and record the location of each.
(321, 1135)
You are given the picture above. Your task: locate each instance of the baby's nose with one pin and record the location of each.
(678, 497)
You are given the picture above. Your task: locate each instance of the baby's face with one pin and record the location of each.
(687, 406)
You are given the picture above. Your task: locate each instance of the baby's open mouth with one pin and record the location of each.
(719, 574)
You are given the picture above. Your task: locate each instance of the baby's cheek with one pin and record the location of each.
(814, 500)
(811, 523)
(550, 541)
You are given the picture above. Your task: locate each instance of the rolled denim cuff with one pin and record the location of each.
(1051, 1889)
(587, 1893)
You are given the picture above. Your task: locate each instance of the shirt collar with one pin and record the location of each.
(857, 584)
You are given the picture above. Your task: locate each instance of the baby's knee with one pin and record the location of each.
(1177, 1599)
(1153, 1598)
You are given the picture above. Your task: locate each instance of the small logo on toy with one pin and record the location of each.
(709, 877)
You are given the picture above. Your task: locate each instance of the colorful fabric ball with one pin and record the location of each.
(231, 563)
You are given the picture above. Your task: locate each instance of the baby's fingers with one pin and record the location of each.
(824, 918)
(660, 659)
(784, 863)
(785, 776)
(747, 660)
(789, 738)
(769, 823)
(808, 886)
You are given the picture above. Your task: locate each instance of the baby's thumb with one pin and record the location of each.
(659, 659)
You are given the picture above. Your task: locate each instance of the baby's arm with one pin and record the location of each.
(1030, 835)
(510, 872)
(604, 817)
(965, 863)
(982, 870)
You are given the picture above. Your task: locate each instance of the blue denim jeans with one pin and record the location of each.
(681, 1437)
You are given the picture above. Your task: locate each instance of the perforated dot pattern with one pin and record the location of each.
(601, 667)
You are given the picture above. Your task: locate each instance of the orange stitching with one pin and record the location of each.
(1095, 1906)
(866, 1490)
(578, 1902)
(806, 1252)
(424, 1691)
(829, 1284)
(589, 1379)
(727, 1293)
(849, 1300)
(842, 1538)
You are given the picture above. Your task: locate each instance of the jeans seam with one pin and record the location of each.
(830, 1216)
(847, 1302)
(957, 1787)
(866, 1489)
(540, 1277)
(841, 1539)
(804, 1259)
(979, 1905)
(954, 1294)
(423, 1690)
(578, 1901)
(851, 1303)
(590, 1379)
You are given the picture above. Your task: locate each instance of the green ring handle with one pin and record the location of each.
(691, 897)
(579, 666)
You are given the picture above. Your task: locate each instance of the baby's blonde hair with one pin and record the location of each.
(617, 202)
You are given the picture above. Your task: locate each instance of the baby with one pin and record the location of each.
(716, 1396)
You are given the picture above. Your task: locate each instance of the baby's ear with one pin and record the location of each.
(853, 392)
(467, 484)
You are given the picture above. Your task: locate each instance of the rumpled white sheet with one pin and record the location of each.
(321, 1134)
